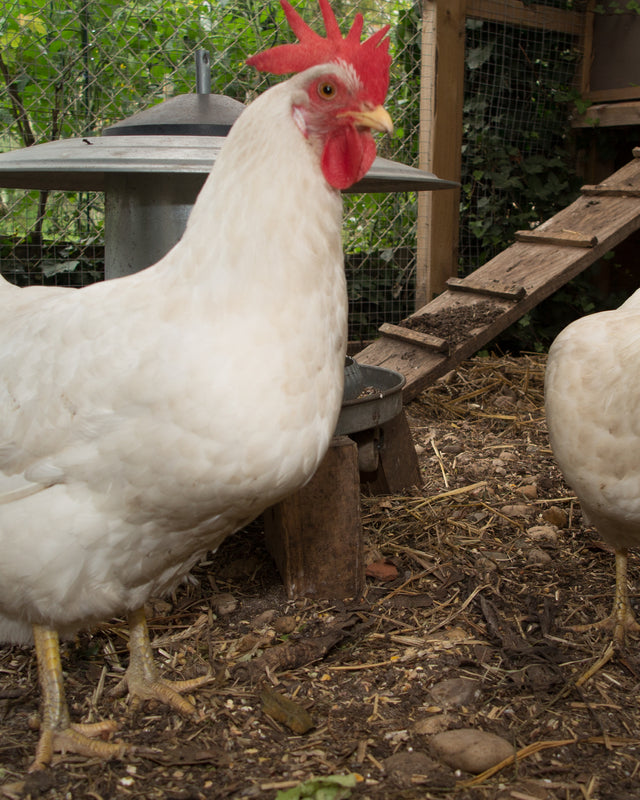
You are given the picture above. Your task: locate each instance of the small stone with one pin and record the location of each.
(470, 750)
(224, 603)
(158, 608)
(538, 556)
(543, 533)
(555, 516)
(434, 723)
(516, 510)
(455, 692)
(406, 764)
(284, 625)
(265, 618)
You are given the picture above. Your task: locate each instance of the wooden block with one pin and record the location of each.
(419, 338)
(315, 535)
(562, 238)
(502, 291)
(398, 467)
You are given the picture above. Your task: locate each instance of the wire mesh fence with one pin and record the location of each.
(518, 159)
(70, 69)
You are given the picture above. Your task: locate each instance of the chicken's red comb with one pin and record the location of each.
(370, 58)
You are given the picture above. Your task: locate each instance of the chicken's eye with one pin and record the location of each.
(327, 90)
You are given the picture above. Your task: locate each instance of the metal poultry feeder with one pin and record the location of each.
(151, 167)
(372, 396)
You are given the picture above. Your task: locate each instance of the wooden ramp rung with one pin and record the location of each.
(600, 190)
(561, 238)
(425, 340)
(496, 289)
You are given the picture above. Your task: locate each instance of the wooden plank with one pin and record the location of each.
(613, 95)
(563, 238)
(587, 49)
(605, 115)
(414, 337)
(513, 12)
(503, 291)
(536, 266)
(441, 100)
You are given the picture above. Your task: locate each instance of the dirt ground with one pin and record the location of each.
(477, 579)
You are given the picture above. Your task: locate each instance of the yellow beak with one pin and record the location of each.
(378, 119)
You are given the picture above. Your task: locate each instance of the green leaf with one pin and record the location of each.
(327, 787)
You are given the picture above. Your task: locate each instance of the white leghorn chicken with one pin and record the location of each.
(592, 397)
(144, 419)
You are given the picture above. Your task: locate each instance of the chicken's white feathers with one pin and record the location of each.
(592, 401)
(144, 419)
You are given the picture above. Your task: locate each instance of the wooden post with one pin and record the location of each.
(442, 89)
(315, 535)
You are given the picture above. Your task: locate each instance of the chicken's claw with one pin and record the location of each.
(57, 732)
(621, 620)
(78, 738)
(142, 680)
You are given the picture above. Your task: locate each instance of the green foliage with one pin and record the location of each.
(327, 787)
(517, 160)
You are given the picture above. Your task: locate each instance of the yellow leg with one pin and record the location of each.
(621, 620)
(57, 733)
(622, 613)
(142, 679)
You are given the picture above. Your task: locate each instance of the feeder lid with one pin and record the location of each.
(184, 115)
(86, 164)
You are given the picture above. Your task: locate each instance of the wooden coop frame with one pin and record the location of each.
(616, 102)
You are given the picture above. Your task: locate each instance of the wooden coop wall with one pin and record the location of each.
(442, 97)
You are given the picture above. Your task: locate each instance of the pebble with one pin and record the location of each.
(403, 765)
(265, 618)
(538, 556)
(223, 603)
(555, 516)
(284, 625)
(530, 491)
(469, 749)
(434, 723)
(455, 692)
(543, 533)
(516, 510)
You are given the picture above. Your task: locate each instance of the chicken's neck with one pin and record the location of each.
(266, 215)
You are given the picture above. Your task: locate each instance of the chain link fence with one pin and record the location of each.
(72, 68)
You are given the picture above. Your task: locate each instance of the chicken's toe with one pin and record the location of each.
(142, 680)
(621, 621)
(79, 739)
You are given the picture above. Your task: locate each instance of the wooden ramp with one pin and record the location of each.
(474, 310)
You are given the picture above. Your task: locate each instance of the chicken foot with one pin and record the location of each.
(142, 679)
(57, 732)
(621, 620)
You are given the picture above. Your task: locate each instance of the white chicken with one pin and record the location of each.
(591, 400)
(144, 419)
